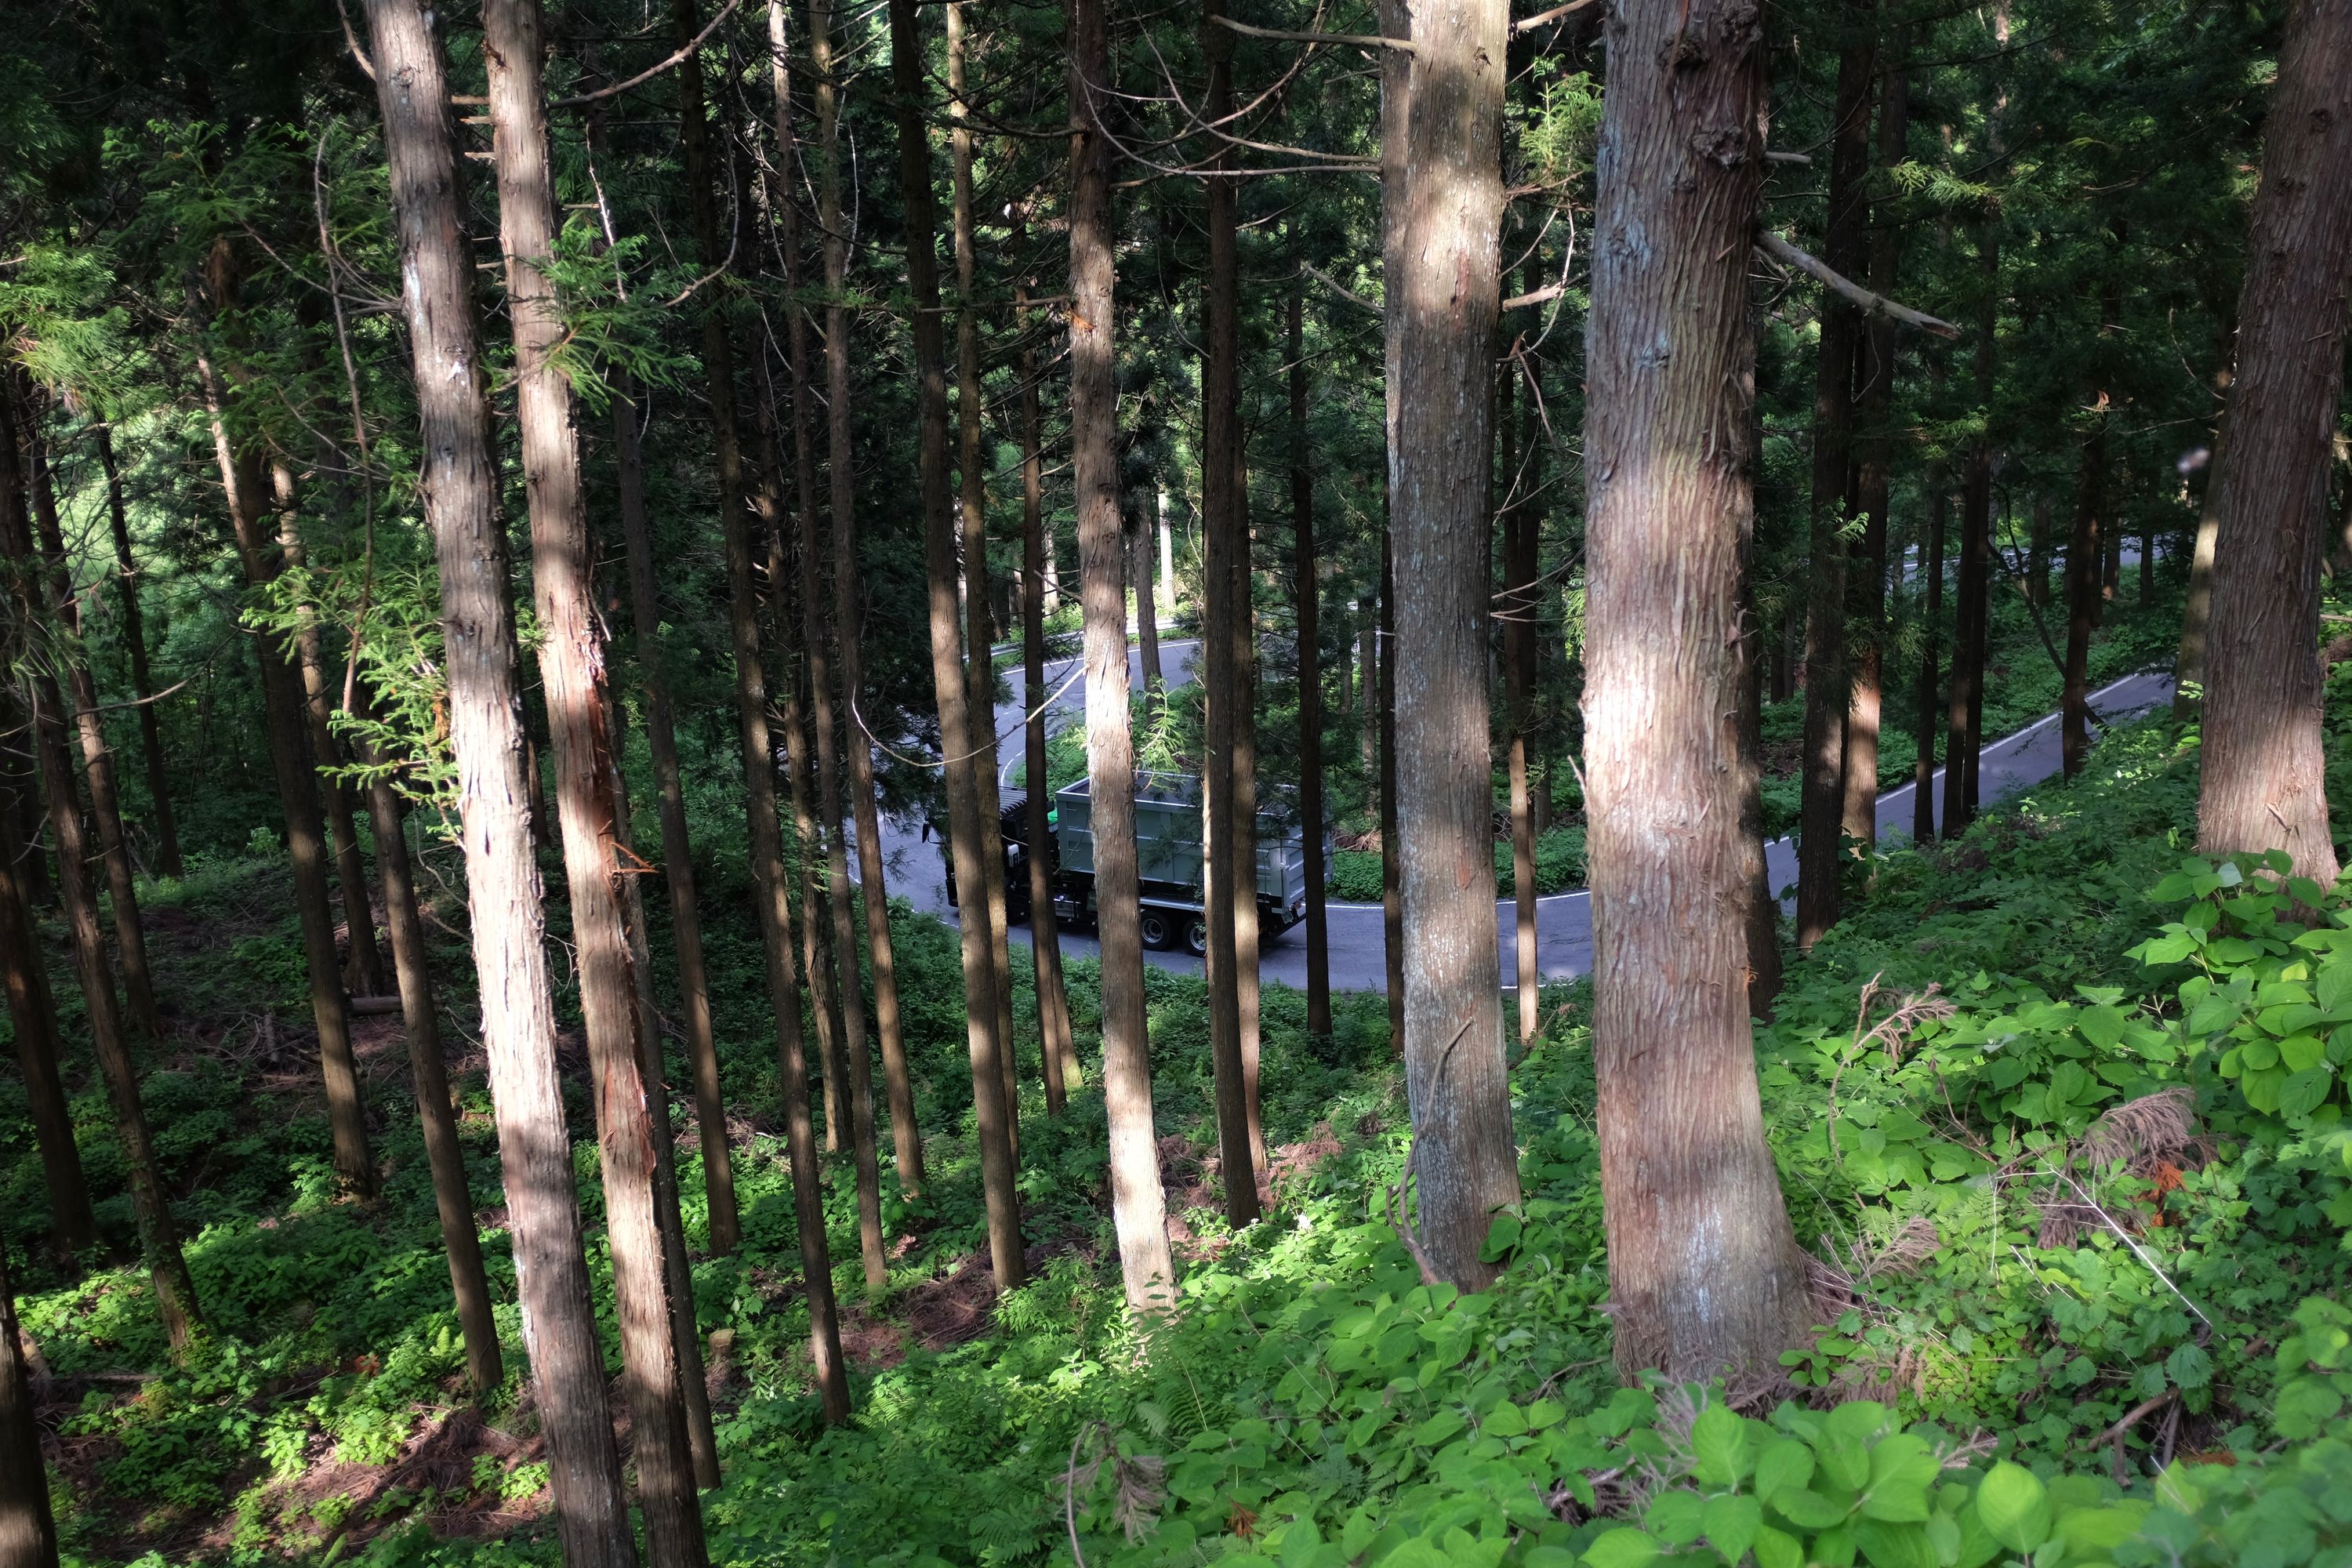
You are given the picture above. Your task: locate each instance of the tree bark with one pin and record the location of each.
(572, 675)
(1392, 870)
(1139, 1211)
(2264, 768)
(457, 486)
(364, 968)
(1306, 588)
(1061, 1058)
(159, 1244)
(1828, 690)
(2196, 608)
(957, 742)
(1702, 1266)
(1247, 977)
(297, 795)
(28, 1532)
(142, 680)
(1924, 726)
(98, 759)
(1972, 590)
(445, 1156)
(907, 1140)
(1873, 448)
(724, 1222)
(1518, 521)
(2084, 549)
(32, 1013)
(764, 830)
(1147, 607)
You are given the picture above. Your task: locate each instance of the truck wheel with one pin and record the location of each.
(1159, 931)
(1196, 938)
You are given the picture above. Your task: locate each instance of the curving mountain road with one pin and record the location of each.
(1563, 921)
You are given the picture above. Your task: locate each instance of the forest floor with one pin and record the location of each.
(1999, 1249)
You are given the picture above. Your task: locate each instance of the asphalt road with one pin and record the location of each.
(1563, 921)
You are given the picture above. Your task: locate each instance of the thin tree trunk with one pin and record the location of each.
(1139, 1211)
(98, 759)
(724, 1223)
(856, 1046)
(445, 1156)
(950, 678)
(2196, 607)
(1306, 588)
(1519, 521)
(571, 674)
(2083, 552)
(907, 1140)
(979, 636)
(1392, 875)
(1971, 592)
(142, 680)
(1443, 304)
(2264, 763)
(28, 1532)
(1926, 725)
(159, 1244)
(1246, 978)
(32, 1011)
(1873, 451)
(1055, 1040)
(1764, 968)
(364, 972)
(764, 830)
(297, 795)
(458, 490)
(1147, 608)
(1703, 1267)
(1828, 694)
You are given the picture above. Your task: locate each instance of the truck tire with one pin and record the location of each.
(1196, 937)
(1158, 930)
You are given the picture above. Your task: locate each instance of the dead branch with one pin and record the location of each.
(1336, 287)
(1358, 40)
(1862, 298)
(1545, 18)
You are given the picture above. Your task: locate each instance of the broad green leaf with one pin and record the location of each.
(1675, 1517)
(1902, 1473)
(2301, 1051)
(1809, 1510)
(2305, 1092)
(2014, 1507)
(1887, 1544)
(2333, 990)
(2103, 1026)
(1784, 1464)
(1722, 1448)
(2099, 1529)
(2189, 1366)
(1775, 1549)
(1622, 1549)
(1732, 1523)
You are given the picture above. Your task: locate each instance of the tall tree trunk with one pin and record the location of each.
(907, 1140)
(364, 968)
(1391, 868)
(1442, 303)
(1518, 521)
(1764, 968)
(1702, 1266)
(142, 680)
(724, 1223)
(2196, 607)
(979, 637)
(1055, 1040)
(1228, 877)
(28, 1532)
(32, 1013)
(1828, 692)
(458, 487)
(856, 1047)
(2083, 554)
(1926, 724)
(764, 830)
(297, 796)
(1873, 448)
(1244, 815)
(159, 1243)
(445, 1156)
(957, 741)
(1396, 113)
(1306, 588)
(1147, 607)
(1139, 1211)
(571, 674)
(1972, 589)
(2264, 767)
(98, 759)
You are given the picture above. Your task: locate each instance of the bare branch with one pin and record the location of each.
(1549, 291)
(1862, 298)
(647, 75)
(1336, 287)
(1806, 159)
(1545, 18)
(1355, 40)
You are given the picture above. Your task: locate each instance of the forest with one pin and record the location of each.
(1371, 785)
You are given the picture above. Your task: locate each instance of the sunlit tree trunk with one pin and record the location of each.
(1518, 531)
(571, 674)
(1704, 1270)
(764, 829)
(1828, 692)
(1392, 870)
(142, 680)
(457, 487)
(1443, 304)
(1139, 1211)
(1306, 588)
(2196, 607)
(949, 677)
(1927, 722)
(2264, 765)
(2083, 555)
(907, 1140)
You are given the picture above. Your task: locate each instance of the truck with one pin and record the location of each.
(1168, 861)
